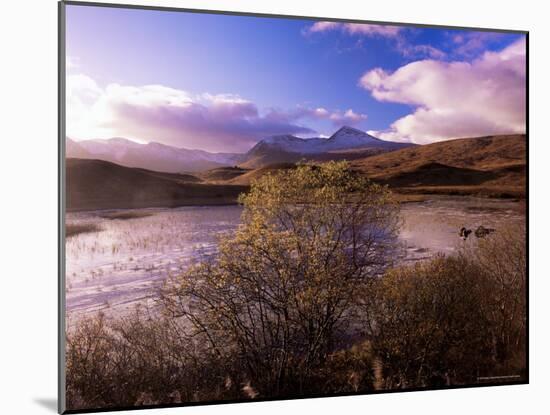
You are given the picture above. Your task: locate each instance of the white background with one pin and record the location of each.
(28, 221)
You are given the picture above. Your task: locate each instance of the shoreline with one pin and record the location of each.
(403, 195)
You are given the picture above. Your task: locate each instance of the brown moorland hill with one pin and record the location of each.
(247, 178)
(489, 166)
(97, 184)
(222, 174)
(482, 153)
(279, 157)
(492, 166)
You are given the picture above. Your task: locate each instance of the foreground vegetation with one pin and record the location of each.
(305, 299)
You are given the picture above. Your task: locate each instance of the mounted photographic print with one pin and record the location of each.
(258, 207)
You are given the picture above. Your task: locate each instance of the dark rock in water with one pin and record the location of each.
(464, 233)
(482, 231)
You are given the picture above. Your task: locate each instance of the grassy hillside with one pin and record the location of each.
(251, 175)
(264, 159)
(494, 165)
(481, 153)
(489, 166)
(222, 174)
(96, 184)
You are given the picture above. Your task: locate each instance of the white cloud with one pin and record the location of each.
(396, 34)
(71, 62)
(215, 122)
(337, 117)
(84, 109)
(455, 99)
(470, 44)
(355, 28)
(411, 51)
(348, 117)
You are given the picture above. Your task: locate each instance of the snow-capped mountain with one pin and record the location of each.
(347, 142)
(343, 139)
(289, 143)
(151, 156)
(347, 137)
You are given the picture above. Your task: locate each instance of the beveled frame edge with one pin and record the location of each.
(61, 97)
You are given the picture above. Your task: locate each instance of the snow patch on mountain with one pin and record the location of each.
(279, 148)
(152, 155)
(343, 139)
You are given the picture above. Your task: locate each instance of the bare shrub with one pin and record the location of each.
(503, 261)
(352, 369)
(139, 360)
(452, 320)
(281, 293)
(427, 324)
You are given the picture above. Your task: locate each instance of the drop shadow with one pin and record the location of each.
(48, 403)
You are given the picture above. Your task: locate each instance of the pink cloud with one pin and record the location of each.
(337, 117)
(455, 99)
(221, 122)
(170, 116)
(411, 51)
(355, 28)
(470, 44)
(395, 33)
(348, 117)
(323, 27)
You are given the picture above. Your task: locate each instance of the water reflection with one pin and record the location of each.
(120, 266)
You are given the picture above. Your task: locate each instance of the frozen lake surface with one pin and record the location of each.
(123, 263)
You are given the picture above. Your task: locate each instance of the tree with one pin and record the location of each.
(282, 292)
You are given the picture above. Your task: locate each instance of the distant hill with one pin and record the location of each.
(222, 174)
(98, 184)
(75, 150)
(493, 165)
(346, 143)
(247, 178)
(152, 156)
(437, 174)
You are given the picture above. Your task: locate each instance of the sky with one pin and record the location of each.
(221, 83)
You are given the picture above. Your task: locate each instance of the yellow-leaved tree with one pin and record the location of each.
(282, 292)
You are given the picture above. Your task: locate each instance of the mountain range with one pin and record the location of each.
(346, 143)
(151, 156)
(489, 166)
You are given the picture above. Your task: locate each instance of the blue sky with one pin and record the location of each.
(267, 74)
